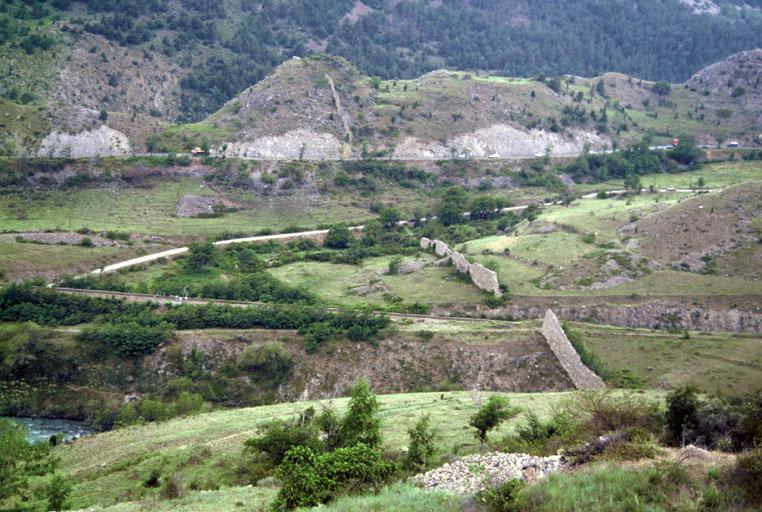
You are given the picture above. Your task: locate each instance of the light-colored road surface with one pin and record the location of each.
(306, 234)
(182, 250)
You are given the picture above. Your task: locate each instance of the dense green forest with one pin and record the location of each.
(232, 44)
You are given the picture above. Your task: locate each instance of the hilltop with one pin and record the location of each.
(183, 60)
(324, 107)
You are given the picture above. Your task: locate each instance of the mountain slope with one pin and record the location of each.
(323, 107)
(183, 59)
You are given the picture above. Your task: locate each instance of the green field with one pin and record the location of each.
(110, 468)
(152, 211)
(724, 364)
(334, 283)
(716, 175)
(24, 260)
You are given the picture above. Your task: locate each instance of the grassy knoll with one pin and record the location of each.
(111, 467)
(716, 175)
(606, 216)
(22, 261)
(719, 363)
(334, 283)
(152, 211)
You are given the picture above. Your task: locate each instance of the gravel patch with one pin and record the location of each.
(469, 475)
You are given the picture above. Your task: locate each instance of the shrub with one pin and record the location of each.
(279, 436)
(128, 339)
(603, 412)
(421, 449)
(490, 415)
(682, 413)
(171, 488)
(310, 479)
(271, 360)
(394, 265)
(749, 474)
(361, 423)
(201, 256)
(86, 242)
(338, 237)
(502, 498)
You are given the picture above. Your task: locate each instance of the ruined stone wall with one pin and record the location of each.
(460, 262)
(580, 375)
(656, 314)
(441, 249)
(482, 277)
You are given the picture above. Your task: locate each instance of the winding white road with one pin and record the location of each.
(307, 234)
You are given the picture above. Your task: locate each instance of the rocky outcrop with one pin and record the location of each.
(294, 145)
(102, 141)
(580, 375)
(425, 244)
(475, 473)
(500, 141)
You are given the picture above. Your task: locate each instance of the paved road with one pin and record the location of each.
(307, 234)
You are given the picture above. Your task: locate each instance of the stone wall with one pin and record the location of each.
(580, 375)
(648, 314)
(441, 249)
(482, 277)
(460, 262)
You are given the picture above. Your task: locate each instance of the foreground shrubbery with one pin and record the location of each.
(20, 464)
(319, 457)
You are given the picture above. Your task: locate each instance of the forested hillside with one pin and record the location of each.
(222, 47)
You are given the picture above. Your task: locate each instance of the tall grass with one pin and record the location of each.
(400, 497)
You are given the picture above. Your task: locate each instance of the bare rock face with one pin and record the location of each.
(293, 145)
(506, 141)
(102, 141)
(475, 473)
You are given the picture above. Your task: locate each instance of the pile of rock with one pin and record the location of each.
(475, 473)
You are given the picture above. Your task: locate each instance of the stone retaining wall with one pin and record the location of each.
(653, 314)
(580, 375)
(482, 277)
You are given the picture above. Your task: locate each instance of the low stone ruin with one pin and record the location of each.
(482, 277)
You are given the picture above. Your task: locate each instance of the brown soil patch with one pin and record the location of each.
(403, 363)
(705, 226)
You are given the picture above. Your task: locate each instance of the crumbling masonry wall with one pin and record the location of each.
(482, 277)
(580, 375)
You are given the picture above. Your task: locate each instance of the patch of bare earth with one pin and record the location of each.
(687, 235)
(402, 363)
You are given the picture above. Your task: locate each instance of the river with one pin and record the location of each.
(40, 429)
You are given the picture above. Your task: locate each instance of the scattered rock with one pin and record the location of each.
(474, 473)
(193, 206)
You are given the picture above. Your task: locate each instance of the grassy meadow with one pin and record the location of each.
(204, 450)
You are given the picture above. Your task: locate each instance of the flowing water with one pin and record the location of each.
(40, 429)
